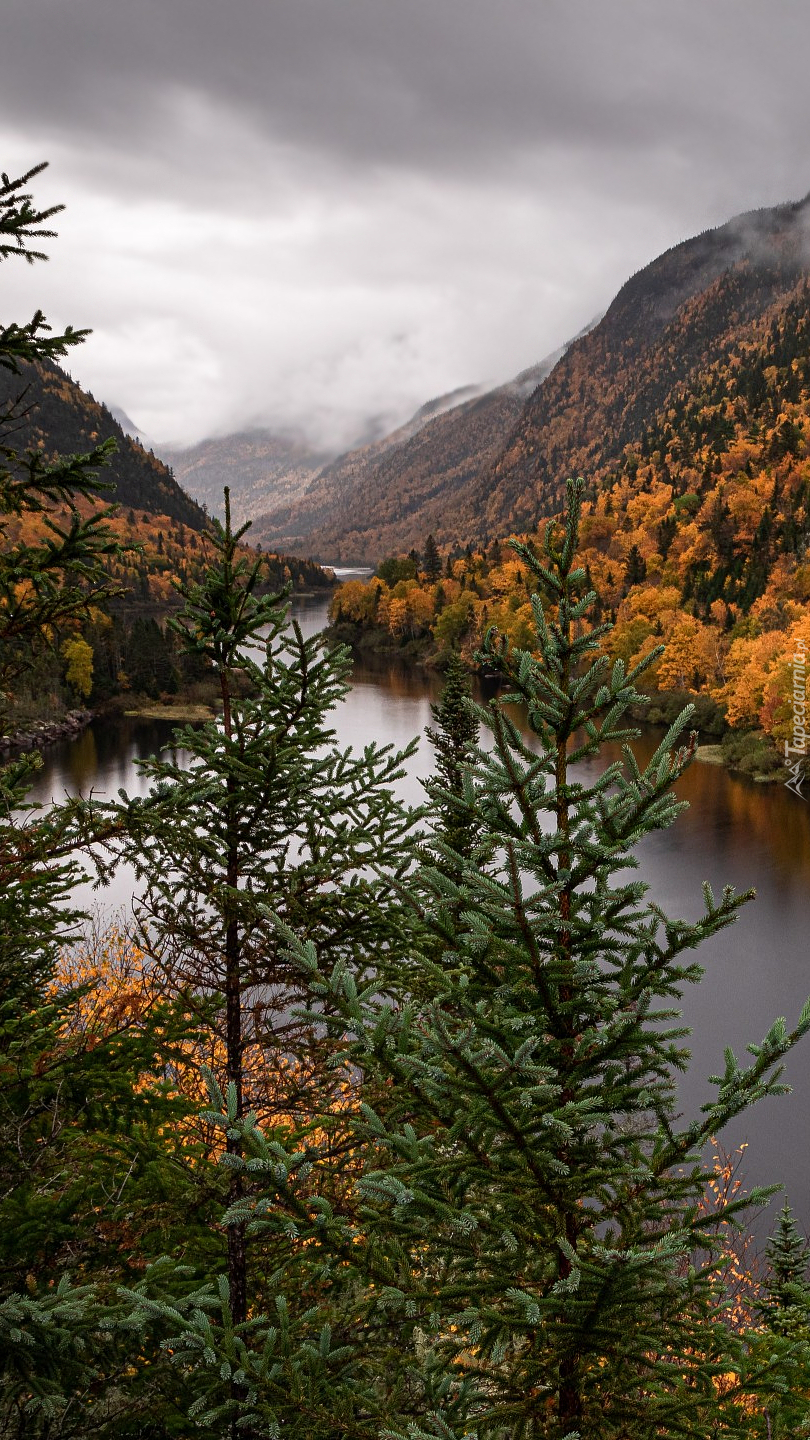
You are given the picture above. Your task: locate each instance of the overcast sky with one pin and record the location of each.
(321, 213)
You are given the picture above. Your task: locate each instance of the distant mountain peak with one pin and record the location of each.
(130, 428)
(495, 463)
(260, 467)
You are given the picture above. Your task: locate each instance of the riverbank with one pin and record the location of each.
(715, 755)
(748, 753)
(375, 643)
(38, 734)
(35, 734)
(743, 752)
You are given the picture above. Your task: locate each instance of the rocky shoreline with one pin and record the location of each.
(46, 732)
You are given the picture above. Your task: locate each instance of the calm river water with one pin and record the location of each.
(735, 832)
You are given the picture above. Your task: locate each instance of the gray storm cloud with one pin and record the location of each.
(304, 213)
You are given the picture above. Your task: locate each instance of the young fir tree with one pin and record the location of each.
(39, 586)
(788, 1287)
(82, 1151)
(542, 1204)
(783, 1343)
(264, 820)
(54, 581)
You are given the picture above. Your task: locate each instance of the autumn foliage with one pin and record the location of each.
(698, 540)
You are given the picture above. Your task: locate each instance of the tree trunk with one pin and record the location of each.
(237, 1250)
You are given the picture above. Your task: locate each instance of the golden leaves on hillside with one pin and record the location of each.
(697, 539)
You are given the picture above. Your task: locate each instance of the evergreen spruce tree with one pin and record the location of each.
(431, 559)
(636, 568)
(264, 821)
(783, 1345)
(148, 659)
(541, 1204)
(788, 1287)
(84, 1118)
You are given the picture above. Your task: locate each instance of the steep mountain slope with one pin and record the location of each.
(695, 527)
(668, 323)
(492, 466)
(58, 417)
(387, 496)
(131, 429)
(365, 505)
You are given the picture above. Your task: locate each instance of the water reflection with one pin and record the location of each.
(736, 832)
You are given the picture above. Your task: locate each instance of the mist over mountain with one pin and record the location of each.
(293, 488)
(268, 470)
(389, 494)
(260, 467)
(495, 463)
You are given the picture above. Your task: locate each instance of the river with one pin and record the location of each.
(735, 832)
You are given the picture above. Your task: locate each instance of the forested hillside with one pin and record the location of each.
(158, 537)
(57, 417)
(496, 464)
(699, 536)
(688, 411)
(159, 526)
(686, 312)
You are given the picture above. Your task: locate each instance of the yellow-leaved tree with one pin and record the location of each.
(79, 667)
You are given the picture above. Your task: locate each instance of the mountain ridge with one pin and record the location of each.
(664, 325)
(497, 465)
(58, 417)
(416, 468)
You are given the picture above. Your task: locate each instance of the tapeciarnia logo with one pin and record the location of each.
(796, 750)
